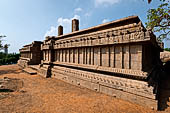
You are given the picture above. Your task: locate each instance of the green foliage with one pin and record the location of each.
(8, 58)
(159, 20)
(1, 43)
(1, 46)
(167, 49)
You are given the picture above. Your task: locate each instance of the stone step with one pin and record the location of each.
(30, 71)
(34, 67)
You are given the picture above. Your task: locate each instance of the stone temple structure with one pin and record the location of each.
(118, 58)
(30, 54)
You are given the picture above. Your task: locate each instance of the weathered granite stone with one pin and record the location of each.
(118, 58)
(30, 54)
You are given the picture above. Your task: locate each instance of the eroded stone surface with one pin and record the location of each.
(120, 58)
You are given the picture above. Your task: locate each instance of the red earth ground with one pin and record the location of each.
(36, 94)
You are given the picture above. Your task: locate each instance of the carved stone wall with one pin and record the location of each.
(31, 54)
(115, 58)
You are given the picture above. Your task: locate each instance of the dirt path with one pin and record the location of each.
(41, 95)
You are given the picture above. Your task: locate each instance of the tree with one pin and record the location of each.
(1, 46)
(6, 48)
(159, 20)
(167, 49)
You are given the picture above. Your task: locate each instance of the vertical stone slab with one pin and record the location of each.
(105, 56)
(55, 56)
(122, 56)
(96, 56)
(71, 55)
(49, 55)
(67, 55)
(64, 55)
(44, 55)
(84, 55)
(118, 59)
(99, 56)
(126, 57)
(112, 56)
(92, 55)
(81, 55)
(29, 55)
(76, 55)
(136, 57)
(60, 55)
(88, 55)
(140, 57)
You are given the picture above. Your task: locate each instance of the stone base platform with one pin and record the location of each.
(30, 71)
(135, 91)
(44, 70)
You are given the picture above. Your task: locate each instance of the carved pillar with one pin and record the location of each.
(49, 55)
(126, 56)
(60, 55)
(112, 56)
(89, 55)
(122, 56)
(76, 55)
(43, 55)
(84, 55)
(92, 55)
(73, 55)
(140, 57)
(64, 55)
(105, 56)
(99, 57)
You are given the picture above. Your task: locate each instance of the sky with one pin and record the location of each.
(25, 21)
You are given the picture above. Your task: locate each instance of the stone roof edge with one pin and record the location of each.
(33, 43)
(95, 27)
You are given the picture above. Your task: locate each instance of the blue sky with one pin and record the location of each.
(24, 21)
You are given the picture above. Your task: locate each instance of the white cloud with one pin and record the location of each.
(88, 14)
(105, 20)
(78, 10)
(52, 32)
(65, 22)
(106, 2)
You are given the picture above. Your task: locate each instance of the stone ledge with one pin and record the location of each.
(124, 72)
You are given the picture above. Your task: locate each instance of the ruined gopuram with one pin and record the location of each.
(115, 58)
(30, 54)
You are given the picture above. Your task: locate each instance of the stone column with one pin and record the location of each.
(60, 30)
(75, 25)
